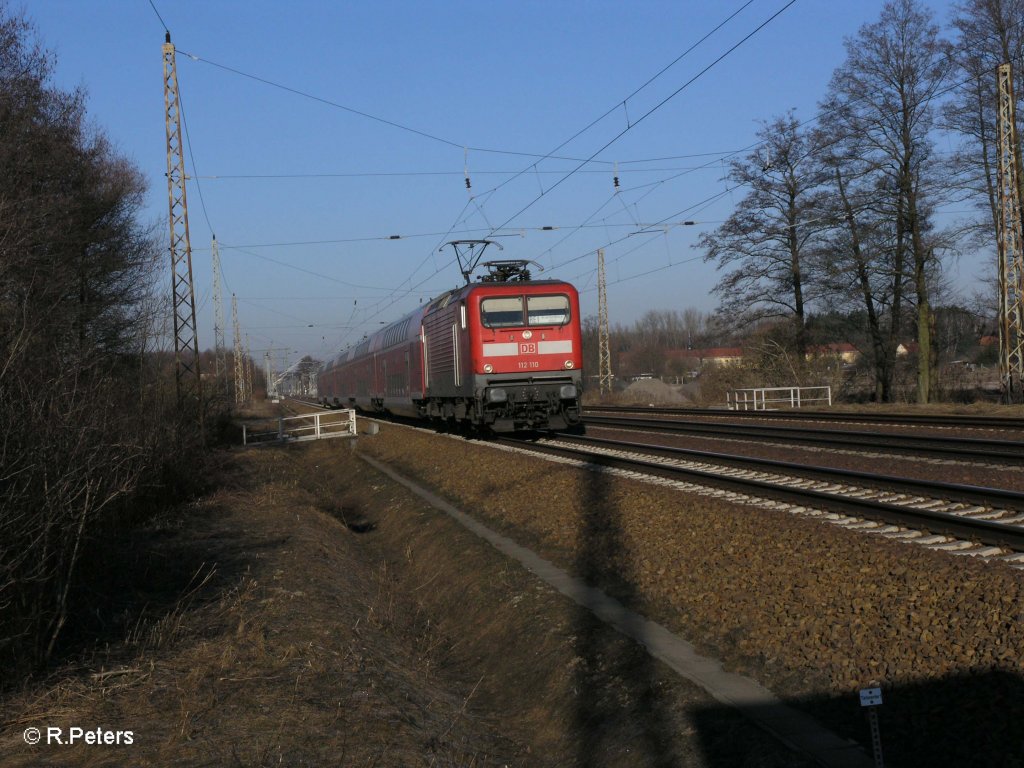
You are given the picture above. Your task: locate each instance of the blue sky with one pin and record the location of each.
(475, 77)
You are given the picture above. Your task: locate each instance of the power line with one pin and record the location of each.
(151, 5)
(750, 147)
(494, 231)
(656, 184)
(188, 140)
(651, 111)
(653, 185)
(413, 174)
(473, 200)
(667, 221)
(710, 200)
(441, 139)
(328, 102)
(412, 288)
(306, 271)
(592, 123)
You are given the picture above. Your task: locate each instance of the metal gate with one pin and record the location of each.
(318, 425)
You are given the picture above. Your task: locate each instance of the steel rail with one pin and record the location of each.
(917, 419)
(958, 447)
(983, 531)
(967, 494)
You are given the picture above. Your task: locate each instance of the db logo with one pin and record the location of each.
(528, 349)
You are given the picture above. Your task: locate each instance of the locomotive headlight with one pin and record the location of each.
(488, 368)
(567, 392)
(496, 395)
(568, 363)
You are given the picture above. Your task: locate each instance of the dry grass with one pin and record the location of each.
(326, 617)
(287, 646)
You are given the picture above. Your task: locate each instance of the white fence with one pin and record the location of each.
(759, 399)
(307, 426)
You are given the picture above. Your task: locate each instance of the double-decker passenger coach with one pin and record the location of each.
(504, 353)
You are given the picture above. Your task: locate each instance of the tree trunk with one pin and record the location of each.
(883, 372)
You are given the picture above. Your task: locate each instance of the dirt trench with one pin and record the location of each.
(311, 612)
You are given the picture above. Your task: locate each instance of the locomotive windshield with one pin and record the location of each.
(502, 311)
(507, 311)
(547, 310)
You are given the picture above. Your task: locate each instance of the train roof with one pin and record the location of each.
(399, 329)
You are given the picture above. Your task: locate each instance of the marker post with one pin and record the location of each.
(872, 698)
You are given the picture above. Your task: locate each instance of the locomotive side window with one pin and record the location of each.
(547, 310)
(502, 311)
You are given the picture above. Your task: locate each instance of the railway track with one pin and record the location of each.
(999, 423)
(961, 519)
(955, 447)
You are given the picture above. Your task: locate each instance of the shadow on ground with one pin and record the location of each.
(615, 680)
(961, 720)
(137, 588)
(630, 710)
(965, 719)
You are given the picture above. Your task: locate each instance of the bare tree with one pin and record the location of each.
(765, 241)
(882, 101)
(80, 435)
(858, 273)
(990, 33)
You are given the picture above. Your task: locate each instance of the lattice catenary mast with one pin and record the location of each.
(268, 372)
(241, 392)
(186, 346)
(219, 350)
(248, 368)
(604, 354)
(1010, 246)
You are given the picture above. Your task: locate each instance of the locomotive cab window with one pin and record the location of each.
(547, 310)
(502, 311)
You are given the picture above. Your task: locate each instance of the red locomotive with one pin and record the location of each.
(504, 353)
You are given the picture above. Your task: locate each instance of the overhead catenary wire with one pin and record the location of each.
(441, 139)
(475, 202)
(721, 158)
(652, 110)
(162, 22)
(326, 101)
(501, 230)
(188, 141)
(622, 103)
(819, 115)
(414, 174)
(306, 271)
(412, 289)
(660, 224)
(494, 230)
